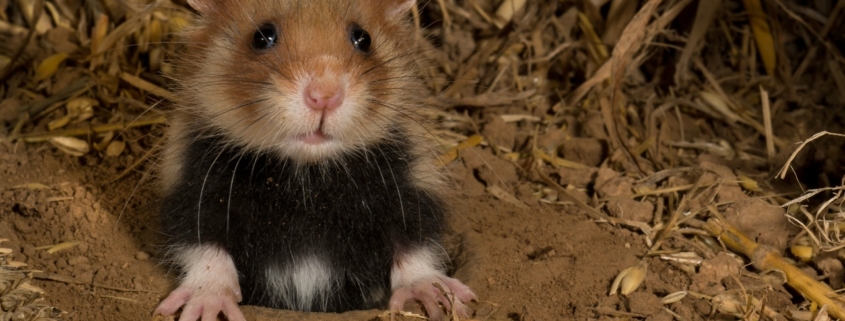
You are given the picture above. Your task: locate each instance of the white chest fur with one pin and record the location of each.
(304, 285)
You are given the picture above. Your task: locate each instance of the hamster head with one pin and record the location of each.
(307, 79)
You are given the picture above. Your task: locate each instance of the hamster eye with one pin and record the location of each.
(265, 37)
(360, 38)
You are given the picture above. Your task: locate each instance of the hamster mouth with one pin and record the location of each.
(314, 138)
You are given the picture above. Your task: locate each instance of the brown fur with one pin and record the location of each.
(219, 70)
(220, 77)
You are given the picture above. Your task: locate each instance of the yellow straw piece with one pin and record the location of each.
(762, 34)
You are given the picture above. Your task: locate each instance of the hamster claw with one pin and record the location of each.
(435, 294)
(204, 306)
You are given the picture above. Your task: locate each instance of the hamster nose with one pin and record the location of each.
(320, 96)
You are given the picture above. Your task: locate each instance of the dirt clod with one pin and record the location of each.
(644, 303)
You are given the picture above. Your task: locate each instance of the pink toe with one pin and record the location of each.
(462, 310)
(438, 295)
(173, 302)
(435, 313)
(210, 313)
(429, 296)
(399, 298)
(232, 312)
(191, 312)
(461, 291)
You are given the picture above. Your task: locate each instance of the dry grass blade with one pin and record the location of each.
(147, 86)
(762, 34)
(484, 100)
(785, 168)
(674, 297)
(506, 10)
(503, 195)
(143, 159)
(49, 66)
(767, 123)
(63, 246)
(20, 300)
(621, 12)
(70, 280)
(37, 107)
(704, 17)
(592, 212)
(38, 137)
(6, 71)
(453, 152)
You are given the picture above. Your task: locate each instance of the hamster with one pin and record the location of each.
(297, 173)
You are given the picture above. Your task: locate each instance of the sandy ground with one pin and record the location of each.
(527, 260)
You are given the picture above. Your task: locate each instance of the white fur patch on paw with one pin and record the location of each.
(209, 286)
(417, 277)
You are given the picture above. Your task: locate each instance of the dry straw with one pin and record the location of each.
(19, 300)
(671, 87)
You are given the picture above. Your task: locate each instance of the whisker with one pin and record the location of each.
(231, 186)
(202, 190)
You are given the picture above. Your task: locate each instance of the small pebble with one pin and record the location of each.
(138, 283)
(142, 256)
(22, 226)
(61, 264)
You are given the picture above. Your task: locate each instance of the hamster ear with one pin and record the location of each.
(205, 7)
(395, 8)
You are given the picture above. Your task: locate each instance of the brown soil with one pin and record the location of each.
(540, 262)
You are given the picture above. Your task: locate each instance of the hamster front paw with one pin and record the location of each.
(200, 304)
(433, 292)
(417, 276)
(210, 286)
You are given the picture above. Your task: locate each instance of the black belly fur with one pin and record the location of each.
(358, 210)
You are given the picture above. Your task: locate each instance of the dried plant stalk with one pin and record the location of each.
(764, 258)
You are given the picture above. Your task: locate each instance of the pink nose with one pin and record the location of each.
(322, 95)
